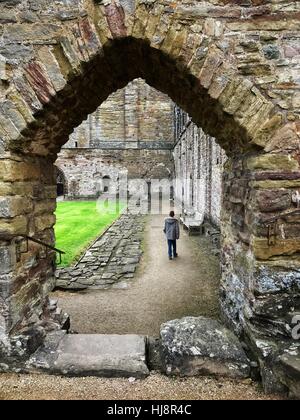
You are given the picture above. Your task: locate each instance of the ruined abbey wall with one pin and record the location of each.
(86, 169)
(130, 134)
(139, 132)
(199, 162)
(136, 114)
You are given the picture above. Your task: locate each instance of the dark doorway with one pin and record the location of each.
(106, 183)
(60, 183)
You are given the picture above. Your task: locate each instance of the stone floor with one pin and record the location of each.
(112, 258)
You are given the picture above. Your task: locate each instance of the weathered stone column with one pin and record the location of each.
(27, 203)
(260, 255)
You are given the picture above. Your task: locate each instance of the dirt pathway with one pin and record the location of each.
(162, 289)
(155, 387)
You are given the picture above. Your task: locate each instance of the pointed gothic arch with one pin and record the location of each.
(187, 52)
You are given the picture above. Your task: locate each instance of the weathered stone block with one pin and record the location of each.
(269, 279)
(263, 251)
(273, 200)
(87, 355)
(49, 192)
(116, 20)
(7, 259)
(276, 307)
(15, 226)
(273, 162)
(8, 130)
(286, 138)
(47, 206)
(8, 17)
(267, 129)
(202, 346)
(53, 70)
(234, 94)
(40, 82)
(14, 206)
(275, 184)
(36, 33)
(271, 52)
(288, 370)
(10, 111)
(44, 222)
(213, 60)
(18, 171)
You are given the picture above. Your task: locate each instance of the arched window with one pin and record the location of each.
(106, 183)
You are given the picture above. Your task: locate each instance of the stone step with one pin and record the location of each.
(288, 370)
(92, 355)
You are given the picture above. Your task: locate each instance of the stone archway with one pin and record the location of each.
(187, 50)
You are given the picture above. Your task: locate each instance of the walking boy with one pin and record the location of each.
(172, 232)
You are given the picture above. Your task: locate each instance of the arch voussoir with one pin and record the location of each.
(213, 61)
(140, 21)
(50, 63)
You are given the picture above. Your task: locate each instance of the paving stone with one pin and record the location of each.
(107, 276)
(76, 273)
(129, 276)
(63, 284)
(120, 285)
(93, 355)
(86, 281)
(128, 269)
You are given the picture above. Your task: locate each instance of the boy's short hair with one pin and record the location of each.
(172, 214)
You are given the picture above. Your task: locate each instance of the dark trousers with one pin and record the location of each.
(172, 246)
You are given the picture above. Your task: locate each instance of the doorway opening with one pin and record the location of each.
(61, 182)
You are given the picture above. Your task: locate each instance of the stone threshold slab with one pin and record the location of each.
(91, 355)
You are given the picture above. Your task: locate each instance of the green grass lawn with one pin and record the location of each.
(78, 224)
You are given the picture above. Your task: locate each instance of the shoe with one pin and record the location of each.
(170, 258)
(176, 256)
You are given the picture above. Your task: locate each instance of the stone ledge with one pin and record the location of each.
(92, 355)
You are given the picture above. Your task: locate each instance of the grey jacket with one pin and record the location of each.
(171, 229)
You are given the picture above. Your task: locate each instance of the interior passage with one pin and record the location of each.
(161, 290)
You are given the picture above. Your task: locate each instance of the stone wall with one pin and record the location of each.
(232, 65)
(137, 113)
(84, 169)
(130, 134)
(199, 164)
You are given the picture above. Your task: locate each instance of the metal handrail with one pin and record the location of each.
(47, 246)
(280, 216)
(272, 225)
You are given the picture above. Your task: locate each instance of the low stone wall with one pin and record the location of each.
(112, 258)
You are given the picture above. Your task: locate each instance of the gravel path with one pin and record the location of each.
(162, 289)
(155, 387)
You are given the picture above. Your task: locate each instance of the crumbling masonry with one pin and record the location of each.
(234, 67)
